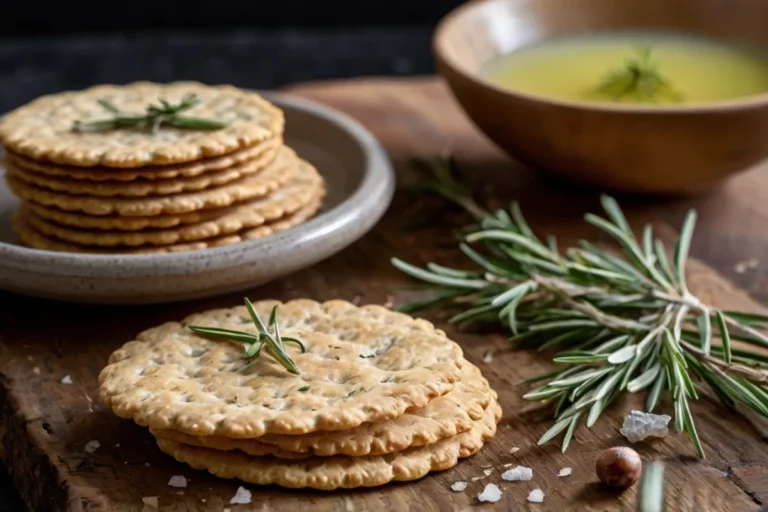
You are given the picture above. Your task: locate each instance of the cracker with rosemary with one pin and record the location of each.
(329, 473)
(116, 126)
(445, 416)
(140, 188)
(30, 237)
(173, 378)
(251, 187)
(156, 172)
(304, 187)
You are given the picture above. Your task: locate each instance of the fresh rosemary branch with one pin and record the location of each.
(639, 80)
(156, 116)
(650, 497)
(274, 341)
(621, 324)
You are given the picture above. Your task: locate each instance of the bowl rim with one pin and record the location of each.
(439, 40)
(377, 180)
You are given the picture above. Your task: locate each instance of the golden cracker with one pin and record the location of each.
(329, 473)
(140, 188)
(42, 129)
(184, 170)
(172, 378)
(297, 193)
(32, 238)
(250, 187)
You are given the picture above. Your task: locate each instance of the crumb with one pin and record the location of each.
(459, 486)
(150, 501)
(356, 300)
(92, 446)
(66, 380)
(36, 370)
(488, 357)
(390, 303)
(177, 481)
(565, 472)
(241, 497)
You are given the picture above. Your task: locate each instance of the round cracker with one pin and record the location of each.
(298, 192)
(329, 473)
(184, 170)
(142, 188)
(250, 187)
(32, 238)
(42, 129)
(445, 416)
(362, 364)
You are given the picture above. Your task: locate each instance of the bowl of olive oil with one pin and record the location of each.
(659, 96)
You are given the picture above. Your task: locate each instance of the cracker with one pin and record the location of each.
(358, 369)
(300, 190)
(32, 238)
(251, 187)
(163, 172)
(329, 473)
(42, 129)
(141, 188)
(443, 417)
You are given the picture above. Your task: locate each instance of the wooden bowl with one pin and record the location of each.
(623, 147)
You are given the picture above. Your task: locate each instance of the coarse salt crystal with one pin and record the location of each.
(491, 494)
(536, 496)
(638, 425)
(518, 473)
(92, 446)
(488, 357)
(241, 497)
(459, 486)
(565, 472)
(178, 481)
(150, 501)
(66, 380)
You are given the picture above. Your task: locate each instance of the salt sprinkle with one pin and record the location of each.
(491, 494)
(242, 497)
(638, 425)
(66, 380)
(459, 486)
(536, 496)
(92, 446)
(36, 370)
(150, 501)
(518, 473)
(565, 472)
(178, 481)
(488, 357)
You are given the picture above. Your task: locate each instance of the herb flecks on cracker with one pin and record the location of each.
(274, 342)
(164, 114)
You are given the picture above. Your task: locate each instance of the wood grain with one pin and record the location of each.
(47, 424)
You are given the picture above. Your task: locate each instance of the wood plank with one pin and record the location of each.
(47, 423)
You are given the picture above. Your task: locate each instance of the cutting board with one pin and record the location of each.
(47, 423)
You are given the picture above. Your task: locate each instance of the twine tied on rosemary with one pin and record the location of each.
(621, 324)
(164, 114)
(267, 335)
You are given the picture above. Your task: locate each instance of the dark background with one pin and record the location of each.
(52, 45)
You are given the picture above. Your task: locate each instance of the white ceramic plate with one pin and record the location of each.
(360, 183)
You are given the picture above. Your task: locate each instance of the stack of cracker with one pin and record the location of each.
(380, 397)
(89, 184)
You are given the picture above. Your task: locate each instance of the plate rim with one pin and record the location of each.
(378, 180)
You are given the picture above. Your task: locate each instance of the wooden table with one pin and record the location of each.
(47, 423)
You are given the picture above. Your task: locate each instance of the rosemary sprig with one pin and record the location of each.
(621, 324)
(274, 341)
(639, 80)
(650, 497)
(164, 114)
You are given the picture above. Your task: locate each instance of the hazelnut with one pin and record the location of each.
(619, 467)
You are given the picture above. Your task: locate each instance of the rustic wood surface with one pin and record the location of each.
(46, 424)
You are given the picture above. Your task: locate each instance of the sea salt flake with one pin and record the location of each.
(151, 501)
(518, 473)
(491, 494)
(92, 446)
(638, 425)
(536, 496)
(241, 497)
(488, 357)
(565, 472)
(178, 481)
(66, 380)
(459, 486)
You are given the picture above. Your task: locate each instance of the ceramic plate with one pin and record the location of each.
(360, 183)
